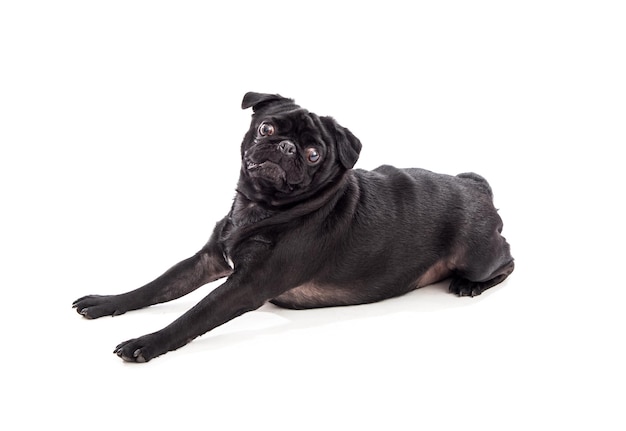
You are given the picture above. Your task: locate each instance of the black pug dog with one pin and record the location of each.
(306, 230)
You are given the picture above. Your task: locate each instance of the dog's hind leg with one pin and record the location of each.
(464, 287)
(482, 266)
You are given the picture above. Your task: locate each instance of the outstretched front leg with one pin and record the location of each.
(221, 305)
(247, 289)
(205, 266)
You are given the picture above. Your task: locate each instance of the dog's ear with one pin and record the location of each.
(257, 100)
(348, 145)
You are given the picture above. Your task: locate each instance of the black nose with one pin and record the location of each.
(287, 147)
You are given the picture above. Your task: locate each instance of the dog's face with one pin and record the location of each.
(289, 153)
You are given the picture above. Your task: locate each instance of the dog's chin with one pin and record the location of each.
(268, 171)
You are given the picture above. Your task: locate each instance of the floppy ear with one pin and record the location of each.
(348, 145)
(256, 100)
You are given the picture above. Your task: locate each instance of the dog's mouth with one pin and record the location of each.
(267, 170)
(252, 166)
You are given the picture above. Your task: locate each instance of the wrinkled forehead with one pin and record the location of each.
(296, 120)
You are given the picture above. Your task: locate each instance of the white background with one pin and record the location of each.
(120, 126)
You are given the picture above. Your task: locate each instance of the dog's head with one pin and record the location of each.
(290, 153)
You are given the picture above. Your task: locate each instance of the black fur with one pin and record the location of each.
(313, 232)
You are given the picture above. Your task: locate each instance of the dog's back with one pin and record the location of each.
(450, 222)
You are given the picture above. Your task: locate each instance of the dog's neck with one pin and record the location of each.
(249, 218)
(248, 213)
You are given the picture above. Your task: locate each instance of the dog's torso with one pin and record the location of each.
(380, 234)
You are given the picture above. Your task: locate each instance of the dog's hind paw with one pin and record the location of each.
(462, 287)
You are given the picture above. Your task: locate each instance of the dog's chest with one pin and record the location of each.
(246, 212)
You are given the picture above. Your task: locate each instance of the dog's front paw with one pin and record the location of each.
(140, 349)
(94, 306)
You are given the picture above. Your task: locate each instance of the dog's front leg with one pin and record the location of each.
(205, 266)
(238, 295)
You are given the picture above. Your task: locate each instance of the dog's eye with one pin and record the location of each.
(312, 155)
(266, 129)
